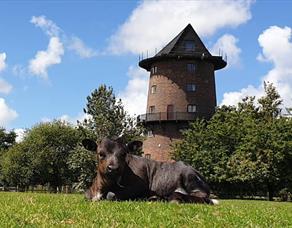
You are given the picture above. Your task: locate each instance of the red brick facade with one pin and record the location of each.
(181, 88)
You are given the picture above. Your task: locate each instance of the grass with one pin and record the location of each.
(49, 210)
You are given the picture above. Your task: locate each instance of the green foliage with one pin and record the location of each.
(42, 156)
(243, 148)
(83, 165)
(7, 139)
(47, 210)
(107, 117)
(16, 168)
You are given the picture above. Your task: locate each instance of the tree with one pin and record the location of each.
(16, 166)
(7, 139)
(244, 147)
(107, 117)
(43, 155)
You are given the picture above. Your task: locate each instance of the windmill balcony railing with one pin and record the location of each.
(169, 116)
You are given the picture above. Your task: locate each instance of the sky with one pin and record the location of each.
(53, 54)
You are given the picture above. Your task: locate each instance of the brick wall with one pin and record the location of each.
(171, 81)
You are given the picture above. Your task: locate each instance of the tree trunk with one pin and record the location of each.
(270, 192)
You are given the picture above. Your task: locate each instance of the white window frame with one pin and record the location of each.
(192, 108)
(153, 89)
(154, 70)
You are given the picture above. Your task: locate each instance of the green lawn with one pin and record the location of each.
(47, 210)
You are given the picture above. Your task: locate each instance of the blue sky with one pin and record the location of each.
(53, 54)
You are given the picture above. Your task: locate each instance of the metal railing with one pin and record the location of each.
(169, 116)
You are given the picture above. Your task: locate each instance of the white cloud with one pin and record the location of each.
(5, 87)
(73, 120)
(153, 23)
(77, 45)
(20, 134)
(228, 45)
(44, 59)
(2, 61)
(277, 49)
(48, 26)
(67, 118)
(6, 114)
(134, 97)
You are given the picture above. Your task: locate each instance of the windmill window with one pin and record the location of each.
(189, 45)
(191, 87)
(150, 133)
(192, 108)
(191, 67)
(152, 109)
(153, 89)
(148, 156)
(154, 70)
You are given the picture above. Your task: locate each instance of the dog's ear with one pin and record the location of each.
(89, 144)
(134, 146)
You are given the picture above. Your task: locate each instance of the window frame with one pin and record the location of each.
(191, 67)
(191, 87)
(153, 89)
(154, 69)
(147, 156)
(152, 109)
(192, 106)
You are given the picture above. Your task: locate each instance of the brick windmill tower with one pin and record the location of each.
(181, 88)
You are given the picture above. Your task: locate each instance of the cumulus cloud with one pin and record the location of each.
(7, 114)
(5, 87)
(20, 134)
(77, 45)
(153, 23)
(73, 119)
(48, 26)
(44, 59)
(53, 55)
(276, 47)
(2, 61)
(67, 118)
(134, 96)
(228, 45)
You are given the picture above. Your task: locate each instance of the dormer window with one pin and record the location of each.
(154, 70)
(189, 45)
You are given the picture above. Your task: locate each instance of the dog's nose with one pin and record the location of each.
(111, 168)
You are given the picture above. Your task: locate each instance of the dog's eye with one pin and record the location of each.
(102, 155)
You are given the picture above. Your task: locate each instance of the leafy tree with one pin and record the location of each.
(82, 163)
(42, 157)
(242, 148)
(107, 117)
(16, 166)
(7, 139)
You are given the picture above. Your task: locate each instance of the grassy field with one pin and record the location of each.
(49, 210)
